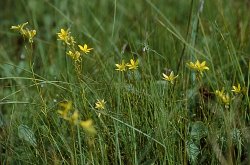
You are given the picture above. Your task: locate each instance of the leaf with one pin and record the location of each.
(25, 133)
(1, 120)
(236, 136)
(198, 131)
(192, 150)
(191, 93)
(134, 75)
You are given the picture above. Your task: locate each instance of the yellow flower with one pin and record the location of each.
(219, 93)
(67, 106)
(29, 34)
(75, 56)
(170, 78)
(19, 27)
(197, 66)
(74, 118)
(237, 89)
(100, 104)
(88, 126)
(25, 32)
(121, 67)
(133, 64)
(63, 113)
(224, 98)
(64, 35)
(85, 48)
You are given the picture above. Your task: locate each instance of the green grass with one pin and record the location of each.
(146, 120)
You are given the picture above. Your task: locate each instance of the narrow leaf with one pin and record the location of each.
(25, 133)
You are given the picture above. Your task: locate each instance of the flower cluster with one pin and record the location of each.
(223, 97)
(133, 65)
(73, 118)
(238, 89)
(68, 39)
(197, 66)
(75, 55)
(25, 32)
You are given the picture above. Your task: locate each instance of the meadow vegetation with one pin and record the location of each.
(124, 82)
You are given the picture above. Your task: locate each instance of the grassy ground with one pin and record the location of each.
(146, 119)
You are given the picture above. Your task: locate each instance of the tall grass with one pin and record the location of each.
(146, 119)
